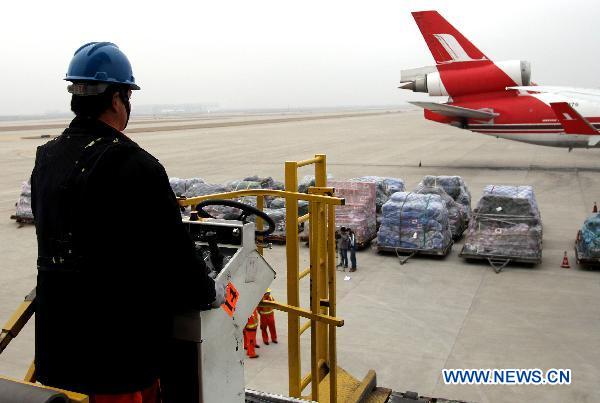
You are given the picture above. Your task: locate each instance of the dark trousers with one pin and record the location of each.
(353, 258)
(344, 255)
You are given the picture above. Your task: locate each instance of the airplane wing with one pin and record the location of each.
(574, 123)
(455, 111)
(571, 92)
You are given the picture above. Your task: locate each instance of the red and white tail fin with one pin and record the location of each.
(571, 120)
(445, 42)
(463, 69)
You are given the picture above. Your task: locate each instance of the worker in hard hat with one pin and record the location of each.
(250, 335)
(267, 319)
(108, 283)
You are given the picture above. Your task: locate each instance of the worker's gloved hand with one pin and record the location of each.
(219, 294)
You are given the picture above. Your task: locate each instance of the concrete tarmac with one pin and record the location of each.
(406, 322)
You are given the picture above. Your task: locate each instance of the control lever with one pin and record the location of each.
(216, 257)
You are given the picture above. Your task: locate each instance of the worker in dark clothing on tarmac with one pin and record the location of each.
(114, 259)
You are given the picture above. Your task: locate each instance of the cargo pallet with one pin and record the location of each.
(412, 251)
(499, 262)
(277, 239)
(580, 258)
(22, 220)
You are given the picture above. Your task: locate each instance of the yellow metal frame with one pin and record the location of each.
(17, 321)
(321, 219)
(322, 320)
(72, 396)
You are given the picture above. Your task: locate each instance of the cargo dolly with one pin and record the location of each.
(410, 252)
(499, 262)
(581, 258)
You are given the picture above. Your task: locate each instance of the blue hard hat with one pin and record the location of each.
(101, 62)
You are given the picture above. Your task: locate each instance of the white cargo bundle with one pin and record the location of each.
(518, 192)
(506, 226)
(23, 212)
(414, 221)
(457, 219)
(455, 187)
(386, 187)
(182, 186)
(359, 211)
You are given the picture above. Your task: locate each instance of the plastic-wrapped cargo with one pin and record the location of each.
(505, 224)
(385, 187)
(589, 242)
(265, 183)
(308, 181)
(278, 215)
(181, 186)
(415, 221)
(228, 212)
(279, 202)
(23, 212)
(359, 211)
(203, 189)
(242, 184)
(455, 187)
(457, 220)
(255, 182)
(519, 192)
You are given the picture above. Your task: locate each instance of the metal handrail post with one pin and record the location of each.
(314, 298)
(321, 284)
(260, 204)
(293, 283)
(332, 302)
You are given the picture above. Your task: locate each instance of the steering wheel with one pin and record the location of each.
(247, 210)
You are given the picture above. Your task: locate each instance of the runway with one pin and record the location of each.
(406, 322)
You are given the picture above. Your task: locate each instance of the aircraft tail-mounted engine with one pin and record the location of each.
(467, 77)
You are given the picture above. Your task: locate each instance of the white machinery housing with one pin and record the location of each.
(207, 359)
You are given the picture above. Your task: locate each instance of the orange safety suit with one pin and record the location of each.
(148, 395)
(267, 320)
(250, 335)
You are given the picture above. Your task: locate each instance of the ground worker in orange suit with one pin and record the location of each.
(250, 335)
(267, 319)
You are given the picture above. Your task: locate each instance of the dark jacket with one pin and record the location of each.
(114, 262)
(344, 241)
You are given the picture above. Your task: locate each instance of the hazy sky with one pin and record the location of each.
(277, 53)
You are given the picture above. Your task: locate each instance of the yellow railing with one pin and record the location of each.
(322, 321)
(321, 220)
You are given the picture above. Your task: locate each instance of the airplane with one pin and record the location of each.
(498, 99)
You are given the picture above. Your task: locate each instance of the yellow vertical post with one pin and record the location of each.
(323, 281)
(30, 375)
(260, 204)
(332, 305)
(322, 288)
(320, 171)
(293, 283)
(315, 334)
